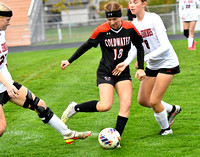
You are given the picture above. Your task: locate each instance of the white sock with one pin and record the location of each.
(59, 125)
(162, 120)
(167, 106)
(190, 42)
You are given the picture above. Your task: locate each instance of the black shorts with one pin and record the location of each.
(103, 77)
(4, 97)
(170, 71)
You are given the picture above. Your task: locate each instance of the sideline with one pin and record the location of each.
(72, 45)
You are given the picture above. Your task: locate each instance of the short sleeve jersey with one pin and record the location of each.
(3, 61)
(150, 27)
(115, 44)
(188, 9)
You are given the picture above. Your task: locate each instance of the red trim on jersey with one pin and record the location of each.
(102, 28)
(128, 25)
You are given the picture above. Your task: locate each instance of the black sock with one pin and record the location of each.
(89, 106)
(120, 125)
(186, 33)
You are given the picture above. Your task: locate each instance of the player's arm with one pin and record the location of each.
(11, 89)
(122, 66)
(140, 74)
(80, 51)
(164, 46)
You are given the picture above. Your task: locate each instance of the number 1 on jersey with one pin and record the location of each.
(118, 55)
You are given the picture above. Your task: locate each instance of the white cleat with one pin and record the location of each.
(176, 110)
(69, 112)
(166, 131)
(74, 135)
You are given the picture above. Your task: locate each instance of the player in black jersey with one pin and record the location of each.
(115, 37)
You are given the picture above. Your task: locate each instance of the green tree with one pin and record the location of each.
(62, 5)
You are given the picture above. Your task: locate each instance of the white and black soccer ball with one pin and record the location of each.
(109, 138)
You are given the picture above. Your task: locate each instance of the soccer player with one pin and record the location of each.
(20, 95)
(115, 38)
(162, 64)
(130, 16)
(188, 12)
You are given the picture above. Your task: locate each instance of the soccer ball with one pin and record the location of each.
(109, 138)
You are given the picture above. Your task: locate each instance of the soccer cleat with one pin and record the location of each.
(175, 110)
(166, 131)
(74, 135)
(118, 146)
(69, 112)
(193, 46)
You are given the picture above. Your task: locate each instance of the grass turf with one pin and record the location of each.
(40, 71)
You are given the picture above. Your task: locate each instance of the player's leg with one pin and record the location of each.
(2, 121)
(106, 91)
(161, 84)
(27, 99)
(124, 91)
(145, 90)
(192, 42)
(186, 29)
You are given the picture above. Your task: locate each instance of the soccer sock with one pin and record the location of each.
(167, 106)
(190, 42)
(186, 33)
(121, 123)
(58, 125)
(89, 106)
(162, 120)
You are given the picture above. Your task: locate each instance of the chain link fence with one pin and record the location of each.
(72, 27)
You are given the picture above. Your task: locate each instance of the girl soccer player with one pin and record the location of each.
(115, 38)
(189, 14)
(20, 95)
(162, 64)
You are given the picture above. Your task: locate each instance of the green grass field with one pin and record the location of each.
(40, 71)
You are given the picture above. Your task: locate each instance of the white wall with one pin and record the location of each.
(75, 16)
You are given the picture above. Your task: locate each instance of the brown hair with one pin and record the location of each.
(146, 9)
(112, 6)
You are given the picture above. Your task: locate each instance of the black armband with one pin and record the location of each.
(140, 56)
(80, 51)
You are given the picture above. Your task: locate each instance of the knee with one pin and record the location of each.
(143, 102)
(154, 102)
(42, 103)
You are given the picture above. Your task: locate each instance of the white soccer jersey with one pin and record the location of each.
(3, 61)
(150, 28)
(188, 10)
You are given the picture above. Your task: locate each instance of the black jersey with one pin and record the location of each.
(115, 44)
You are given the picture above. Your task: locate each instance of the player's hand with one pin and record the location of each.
(140, 74)
(64, 64)
(136, 65)
(119, 69)
(13, 92)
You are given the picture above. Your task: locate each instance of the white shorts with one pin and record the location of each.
(4, 71)
(190, 16)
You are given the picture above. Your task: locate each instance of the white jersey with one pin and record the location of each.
(3, 61)
(150, 28)
(188, 10)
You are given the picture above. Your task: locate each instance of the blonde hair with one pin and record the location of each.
(4, 7)
(112, 6)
